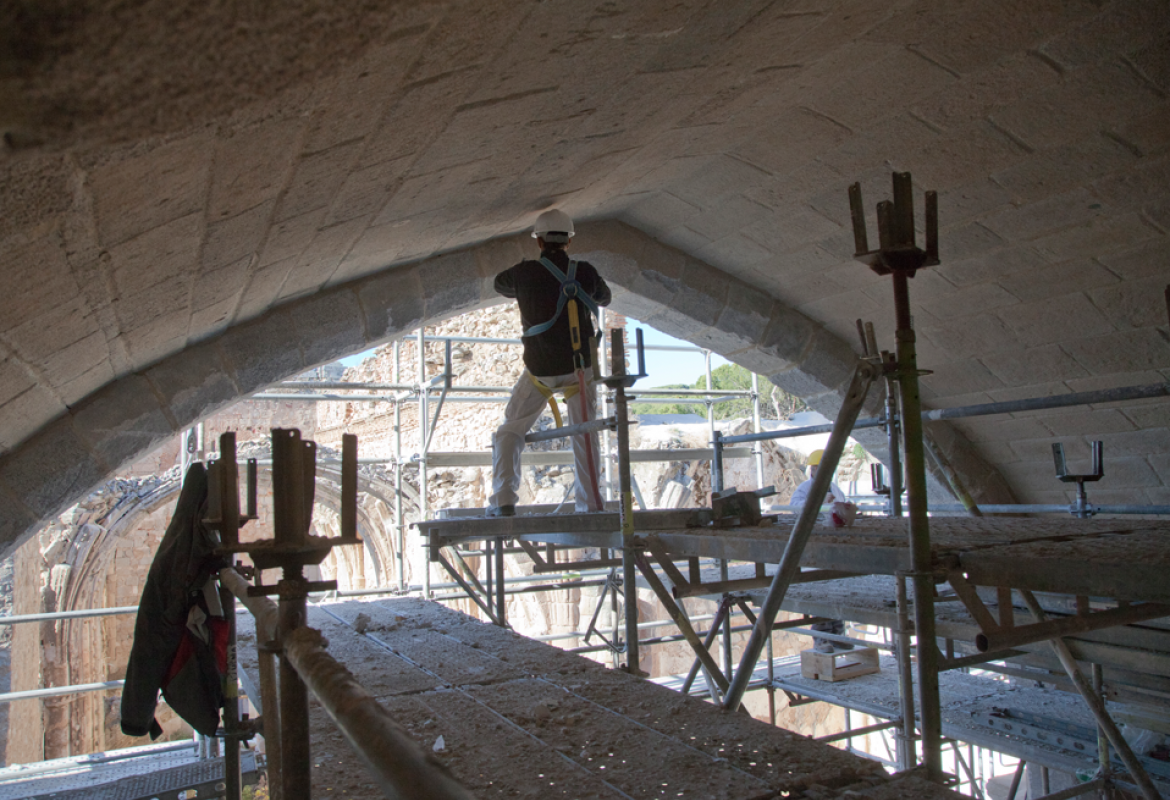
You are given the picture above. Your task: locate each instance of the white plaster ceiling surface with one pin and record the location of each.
(190, 191)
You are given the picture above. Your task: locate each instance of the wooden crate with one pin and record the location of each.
(839, 666)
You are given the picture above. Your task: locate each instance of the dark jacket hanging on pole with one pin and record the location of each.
(179, 646)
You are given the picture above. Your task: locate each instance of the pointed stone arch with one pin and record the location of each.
(655, 283)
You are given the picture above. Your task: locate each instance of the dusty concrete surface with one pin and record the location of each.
(190, 192)
(523, 719)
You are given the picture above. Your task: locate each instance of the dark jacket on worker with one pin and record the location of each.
(187, 666)
(536, 291)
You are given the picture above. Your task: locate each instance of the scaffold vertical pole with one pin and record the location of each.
(626, 501)
(423, 416)
(757, 427)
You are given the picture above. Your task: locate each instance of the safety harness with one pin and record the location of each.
(571, 293)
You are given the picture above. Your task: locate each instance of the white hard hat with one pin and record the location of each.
(553, 226)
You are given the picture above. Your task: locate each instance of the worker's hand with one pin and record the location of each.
(843, 515)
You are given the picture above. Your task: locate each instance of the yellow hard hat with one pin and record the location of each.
(814, 458)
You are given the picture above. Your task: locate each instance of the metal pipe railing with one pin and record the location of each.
(392, 756)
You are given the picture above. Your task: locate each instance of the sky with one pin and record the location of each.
(664, 366)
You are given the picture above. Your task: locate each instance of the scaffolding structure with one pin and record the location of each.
(1111, 573)
(1000, 611)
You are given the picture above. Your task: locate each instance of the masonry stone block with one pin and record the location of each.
(214, 319)
(1134, 443)
(1150, 414)
(783, 345)
(657, 212)
(701, 296)
(1124, 351)
(1081, 104)
(1056, 318)
(288, 238)
(329, 325)
(318, 264)
(737, 253)
(14, 521)
(49, 470)
(1032, 366)
(25, 411)
(72, 358)
(827, 366)
(157, 256)
(262, 351)
(449, 284)
(142, 190)
(741, 322)
(37, 274)
(1097, 238)
(157, 339)
(1126, 474)
(392, 303)
(1133, 304)
(316, 178)
(229, 240)
(193, 383)
(497, 255)
(252, 165)
(122, 420)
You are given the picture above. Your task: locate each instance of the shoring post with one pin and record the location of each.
(290, 460)
(790, 561)
(907, 753)
(920, 553)
(893, 438)
(899, 257)
(1137, 772)
(626, 503)
(270, 694)
(233, 785)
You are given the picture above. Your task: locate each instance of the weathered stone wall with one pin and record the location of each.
(96, 555)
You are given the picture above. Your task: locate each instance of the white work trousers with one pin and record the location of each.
(522, 410)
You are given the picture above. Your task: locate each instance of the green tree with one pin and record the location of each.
(774, 402)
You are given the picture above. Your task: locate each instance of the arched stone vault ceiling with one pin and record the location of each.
(652, 281)
(184, 187)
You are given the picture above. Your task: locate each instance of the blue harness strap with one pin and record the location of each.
(570, 290)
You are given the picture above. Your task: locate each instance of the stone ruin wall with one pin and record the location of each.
(97, 554)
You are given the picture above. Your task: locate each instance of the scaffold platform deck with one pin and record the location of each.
(511, 717)
(1120, 559)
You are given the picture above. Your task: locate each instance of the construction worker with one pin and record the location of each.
(832, 496)
(557, 298)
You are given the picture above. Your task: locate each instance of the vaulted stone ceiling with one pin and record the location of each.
(180, 176)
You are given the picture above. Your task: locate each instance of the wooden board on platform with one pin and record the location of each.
(840, 665)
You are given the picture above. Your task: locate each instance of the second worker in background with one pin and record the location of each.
(556, 314)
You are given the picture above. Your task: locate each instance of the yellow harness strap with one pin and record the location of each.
(568, 392)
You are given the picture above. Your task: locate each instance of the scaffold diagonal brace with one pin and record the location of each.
(680, 619)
